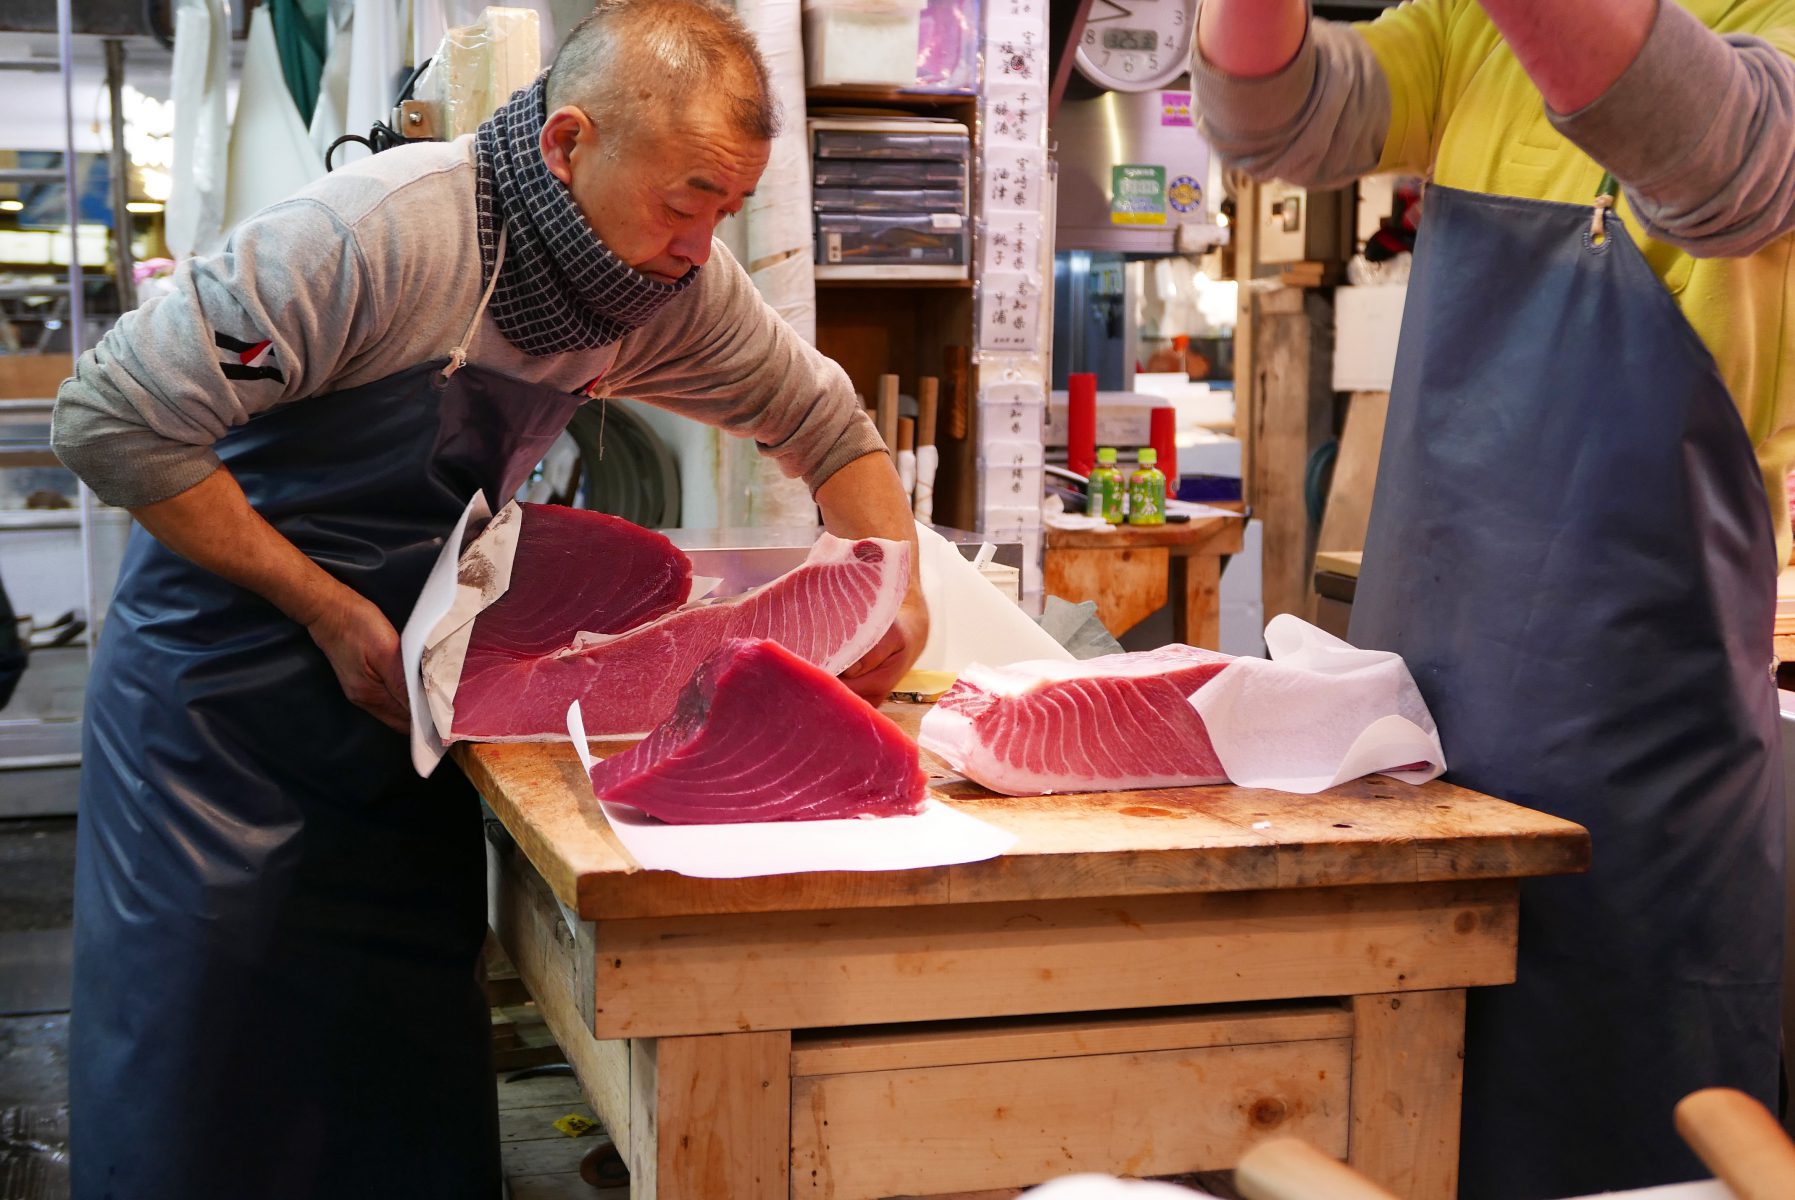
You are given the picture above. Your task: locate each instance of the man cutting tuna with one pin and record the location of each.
(1570, 541)
(278, 922)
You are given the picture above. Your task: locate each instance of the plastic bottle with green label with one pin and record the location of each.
(1105, 489)
(1147, 491)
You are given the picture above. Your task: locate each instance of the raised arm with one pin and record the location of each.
(1699, 128)
(1284, 97)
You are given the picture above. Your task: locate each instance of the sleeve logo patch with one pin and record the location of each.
(246, 360)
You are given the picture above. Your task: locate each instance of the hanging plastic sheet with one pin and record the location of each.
(194, 218)
(271, 155)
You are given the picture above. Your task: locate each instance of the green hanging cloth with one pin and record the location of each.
(302, 34)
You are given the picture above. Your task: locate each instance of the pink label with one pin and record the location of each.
(1174, 109)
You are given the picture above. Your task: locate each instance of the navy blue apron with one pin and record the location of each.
(277, 922)
(1570, 547)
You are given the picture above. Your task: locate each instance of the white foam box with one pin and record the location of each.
(1367, 321)
(1012, 475)
(1011, 412)
(1207, 453)
(1124, 419)
(861, 41)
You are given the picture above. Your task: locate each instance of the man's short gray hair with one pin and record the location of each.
(629, 57)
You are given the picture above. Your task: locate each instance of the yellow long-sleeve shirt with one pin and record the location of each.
(1701, 143)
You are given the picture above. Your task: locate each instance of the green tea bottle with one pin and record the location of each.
(1105, 489)
(1147, 491)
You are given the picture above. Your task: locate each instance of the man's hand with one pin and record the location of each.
(363, 649)
(212, 525)
(873, 677)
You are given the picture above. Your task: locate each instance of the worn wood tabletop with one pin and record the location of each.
(1220, 534)
(1197, 839)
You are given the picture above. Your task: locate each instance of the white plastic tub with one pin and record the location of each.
(861, 41)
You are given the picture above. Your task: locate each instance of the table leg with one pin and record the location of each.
(711, 1117)
(1196, 600)
(1408, 1075)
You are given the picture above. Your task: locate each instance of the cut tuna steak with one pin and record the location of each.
(719, 759)
(1105, 724)
(575, 572)
(829, 611)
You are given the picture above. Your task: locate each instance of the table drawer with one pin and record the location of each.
(938, 1109)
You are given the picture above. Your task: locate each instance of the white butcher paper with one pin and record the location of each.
(1318, 713)
(970, 621)
(434, 602)
(938, 836)
(482, 575)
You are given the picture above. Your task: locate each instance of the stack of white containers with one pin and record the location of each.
(1015, 272)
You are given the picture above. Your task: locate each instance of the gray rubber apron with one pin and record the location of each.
(1570, 547)
(277, 923)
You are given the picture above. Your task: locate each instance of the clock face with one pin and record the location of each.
(1136, 45)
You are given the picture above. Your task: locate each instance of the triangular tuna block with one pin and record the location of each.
(1106, 724)
(720, 759)
(576, 571)
(830, 610)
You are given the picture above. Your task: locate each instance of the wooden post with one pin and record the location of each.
(1196, 599)
(1293, 413)
(1246, 358)
(711, 1117)
(888, 412)
(1408, 1075)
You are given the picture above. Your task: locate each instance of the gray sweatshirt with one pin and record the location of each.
(1700, 129)
(376, 268)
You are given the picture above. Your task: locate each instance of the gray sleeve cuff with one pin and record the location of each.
(129, 467)
(1651, 119)
(1237, 110)
(1320, 122)
(1700, 130)
(857, 441)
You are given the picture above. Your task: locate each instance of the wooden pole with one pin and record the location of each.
(888, 411)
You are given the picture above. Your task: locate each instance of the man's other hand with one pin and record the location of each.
(363, 649)
(873, 677)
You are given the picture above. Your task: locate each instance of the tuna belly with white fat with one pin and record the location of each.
(1115, 723)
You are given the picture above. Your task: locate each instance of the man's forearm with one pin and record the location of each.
(212, 525)
(1251, 39)
(1573, 50)
(865, 499)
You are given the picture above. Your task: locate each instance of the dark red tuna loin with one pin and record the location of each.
(576, 572)
(759, 734)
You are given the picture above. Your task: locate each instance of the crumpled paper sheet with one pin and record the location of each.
(1078, 628)
(1318, 713)
(970, 620)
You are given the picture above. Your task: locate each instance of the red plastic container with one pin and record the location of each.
(1163, 431)
(1081, 423)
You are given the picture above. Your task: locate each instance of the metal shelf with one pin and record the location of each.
(27, 175)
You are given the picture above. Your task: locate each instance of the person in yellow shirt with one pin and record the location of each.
(1580, 512)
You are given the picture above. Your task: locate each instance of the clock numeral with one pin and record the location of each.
(1152, 62)
(1128, 64)
(1090, 37)
(1177, 15)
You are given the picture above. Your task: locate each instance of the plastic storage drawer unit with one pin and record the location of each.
(912, 239)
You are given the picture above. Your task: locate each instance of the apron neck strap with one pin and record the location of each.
(458, 356)
(1606, 193)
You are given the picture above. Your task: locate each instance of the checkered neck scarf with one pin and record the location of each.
(560, 288)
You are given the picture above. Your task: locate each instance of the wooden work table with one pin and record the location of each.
(1147, 983)
(1132, 571)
